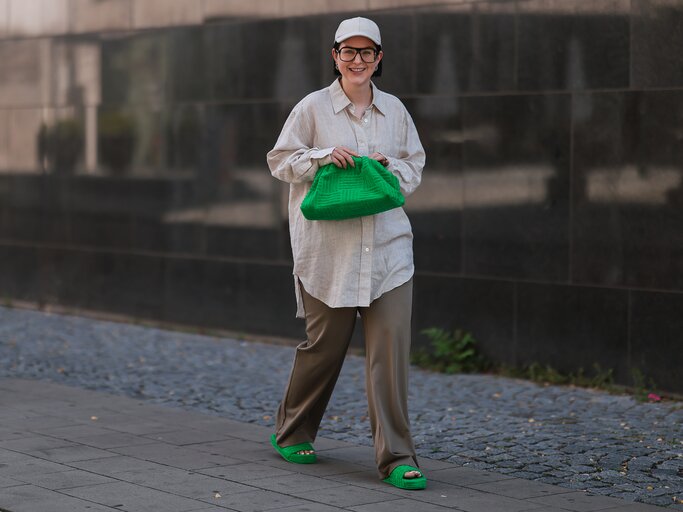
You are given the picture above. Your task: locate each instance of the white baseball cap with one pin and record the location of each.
(358, 27)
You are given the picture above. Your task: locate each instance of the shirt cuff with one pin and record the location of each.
(321, 153)
(324, 156)
(390, 162)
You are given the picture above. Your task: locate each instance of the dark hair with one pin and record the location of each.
(378, 47)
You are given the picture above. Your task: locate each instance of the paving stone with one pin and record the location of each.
(114, 440)
(362, 455)
(520, 489)
(466, 476)
(8, 434)
(553, 480)
(199, 487)
(207, 508)
(235, 448)
(182, 482)
(9, 482)
(529, 475)
(132, 498)
(69, 432)
(433, 465)
(548, 509)
(190, 436)
(367, 479)
(577, 501)
(580, 468)
(26, 464)
(322, 444)
(348, 496)
(133, 425)
(400, 505)
(177, 456)
(64, 479)
(46, 422)
(256, 501)
(634, 507)
(112, 466)
(245, 472)
(29, 498)
(437, 493)
(293, 484)
(250, 432)
(486, 502)
(33, 444)
(512, 464)
(324, 467)
(72, 453)
(308, 507)
(538, 468)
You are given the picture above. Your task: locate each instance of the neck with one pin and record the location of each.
(358, 94)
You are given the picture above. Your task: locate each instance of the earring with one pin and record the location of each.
(336, 66)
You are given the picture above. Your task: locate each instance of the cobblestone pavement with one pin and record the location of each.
(576, 438)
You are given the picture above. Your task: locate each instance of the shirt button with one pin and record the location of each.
(365, 120)
(367, 249)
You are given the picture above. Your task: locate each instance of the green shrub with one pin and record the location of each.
(450, 352)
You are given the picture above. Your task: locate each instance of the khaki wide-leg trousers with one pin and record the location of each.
(318, 362)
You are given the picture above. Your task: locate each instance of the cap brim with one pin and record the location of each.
(354, 34)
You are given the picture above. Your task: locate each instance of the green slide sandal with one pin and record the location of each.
(396, 478)
(289, 452)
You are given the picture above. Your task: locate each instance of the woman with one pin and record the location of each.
(356, 265)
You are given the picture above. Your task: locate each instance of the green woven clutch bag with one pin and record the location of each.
(338, 193)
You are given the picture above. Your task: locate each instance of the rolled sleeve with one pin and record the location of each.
(293, 160)
(408, 165)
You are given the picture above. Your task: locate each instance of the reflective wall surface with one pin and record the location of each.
(133, 136)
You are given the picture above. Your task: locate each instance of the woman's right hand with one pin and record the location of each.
(342, 156)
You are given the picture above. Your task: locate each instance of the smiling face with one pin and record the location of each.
(356, 72)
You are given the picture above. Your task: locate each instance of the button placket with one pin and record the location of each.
(365, 278)
(364, 133)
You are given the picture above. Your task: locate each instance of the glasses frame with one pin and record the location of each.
(357, 52)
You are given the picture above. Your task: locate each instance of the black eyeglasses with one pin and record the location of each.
(348, 54)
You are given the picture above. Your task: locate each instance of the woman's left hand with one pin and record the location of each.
(380, 158)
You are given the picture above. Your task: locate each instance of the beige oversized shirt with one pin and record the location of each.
(348, 262)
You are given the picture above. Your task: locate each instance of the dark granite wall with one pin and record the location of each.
(549, 222)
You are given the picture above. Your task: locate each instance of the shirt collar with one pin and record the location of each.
(340, 100)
